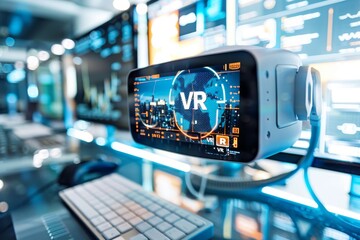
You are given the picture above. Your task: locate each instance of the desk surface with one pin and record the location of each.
(36, 208)
(281, 212)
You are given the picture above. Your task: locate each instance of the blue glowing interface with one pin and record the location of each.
(13, 88)
(103, 58)
(198, 105)
(181, 29)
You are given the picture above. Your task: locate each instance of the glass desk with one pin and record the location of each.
(279, 212)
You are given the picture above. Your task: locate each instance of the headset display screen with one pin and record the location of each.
(194, 109)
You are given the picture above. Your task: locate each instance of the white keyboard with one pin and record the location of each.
(113, 207)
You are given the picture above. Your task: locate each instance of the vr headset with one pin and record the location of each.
(232, 104)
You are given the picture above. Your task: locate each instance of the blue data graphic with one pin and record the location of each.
(103, 57)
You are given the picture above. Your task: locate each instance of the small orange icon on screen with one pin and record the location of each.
(234, 66)
(235, 130)
(235, 142)
(222, 141)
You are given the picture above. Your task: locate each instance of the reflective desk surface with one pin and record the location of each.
(30, 194)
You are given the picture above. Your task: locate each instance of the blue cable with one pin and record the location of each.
(348, 227)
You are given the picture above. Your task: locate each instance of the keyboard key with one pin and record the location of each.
(85, 208)
(122, 211)
(153, 207)
(155, 220)
(116, 221)
(171, 207)
(99, 206)
(115, 206)
(129, 204)
(132, 195)
(134, 207)
(146, 203)
(124, 227)
(104, 210)
(103, 197)
(135, 221)
(172, 218)
(174, 234)
(104, 226)
(185, 226)
(195, 220)
(97, 220)
(142, 227)
(119, 197)
(163, 226)
(181, 213)
(110, 215)
(110, 201)
(128, 216)
(138, 237)
(154, 234)
(140, 211)
(93, 201)
(123, 200)
(162, 212)
(111, 233)
(139, 199)
(147, 215)
(154, 199)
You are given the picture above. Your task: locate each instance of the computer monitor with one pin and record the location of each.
(179, 29)
(102, 58)
(325, 35)
(51, 89)
(13, 96)
(3, 92)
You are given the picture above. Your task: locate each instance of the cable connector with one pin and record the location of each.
(308, 94)
(315, 114)
(303, 93)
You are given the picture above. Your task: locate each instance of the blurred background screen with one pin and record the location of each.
(103, 58)
(51, 89)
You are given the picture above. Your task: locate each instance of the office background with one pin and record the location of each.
(63, 89)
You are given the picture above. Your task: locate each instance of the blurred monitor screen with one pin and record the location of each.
(13, 95)
(247, 220)
(325, 34)
(179, 29)
(51, 91)
(103, 58)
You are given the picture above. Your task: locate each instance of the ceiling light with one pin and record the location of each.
(43, 55)
(141, 8)
(33, 91)
(68, 43)
(17, 75)
(121, 5)
(32, 62)
(57, 49)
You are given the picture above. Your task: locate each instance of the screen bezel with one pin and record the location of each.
(249, 100)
